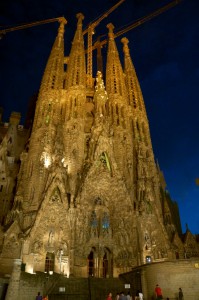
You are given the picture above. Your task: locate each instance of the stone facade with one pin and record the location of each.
(13, 137)
(90, 199)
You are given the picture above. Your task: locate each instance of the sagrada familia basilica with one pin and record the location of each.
(81, 193)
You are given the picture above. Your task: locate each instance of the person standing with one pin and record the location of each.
(140, 296)
(158, 292)
(128, 296)
(122, 296)
(117, 296)
(180, 294)
(109, 296)
(38, 297)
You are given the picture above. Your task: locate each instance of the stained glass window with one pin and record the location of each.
(105, 221)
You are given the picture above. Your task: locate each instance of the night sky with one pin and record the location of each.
(165, 54)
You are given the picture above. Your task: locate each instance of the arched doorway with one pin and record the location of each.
(49, 262)
(91, 263)
(107, 264)
(100, 263)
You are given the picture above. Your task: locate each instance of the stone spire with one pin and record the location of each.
(115, 83)
(135, 98)
(76, 71)
(52, 82)
(139, 117)
(73, 110)
(117, 110)
(53, 74)
(44, 133)
(147, 179)
(134, 91)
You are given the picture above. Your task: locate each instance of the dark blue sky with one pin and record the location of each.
(165, 55)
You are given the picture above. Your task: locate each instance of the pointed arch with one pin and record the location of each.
(107, 263)
(91, 262)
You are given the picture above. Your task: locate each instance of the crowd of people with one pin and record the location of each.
(128, 296)
(122, 296)
(139, 295)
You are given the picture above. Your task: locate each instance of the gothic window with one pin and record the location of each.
(105, 221)
(93, 219)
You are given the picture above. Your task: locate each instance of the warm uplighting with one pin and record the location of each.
(29, 269)
(46, 158)
(47, 161)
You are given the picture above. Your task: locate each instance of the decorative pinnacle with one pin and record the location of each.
(62, 22)
(110, 26)
(125, 42)
(80, 18)
(99, 75)
(100, 88)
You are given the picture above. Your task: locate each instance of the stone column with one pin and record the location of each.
(13, 287)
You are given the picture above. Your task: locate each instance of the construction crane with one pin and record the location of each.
(28, 25)
(99, 44)
(90, 31)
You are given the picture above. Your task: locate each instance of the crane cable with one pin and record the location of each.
(28, 25)
(137, 23)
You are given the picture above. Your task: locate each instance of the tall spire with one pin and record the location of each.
(147, 180)
(115, 83)
(52, 81)
(117, 110)
(133, 86)
(135, 98)
(53, 75)
(76, 72)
